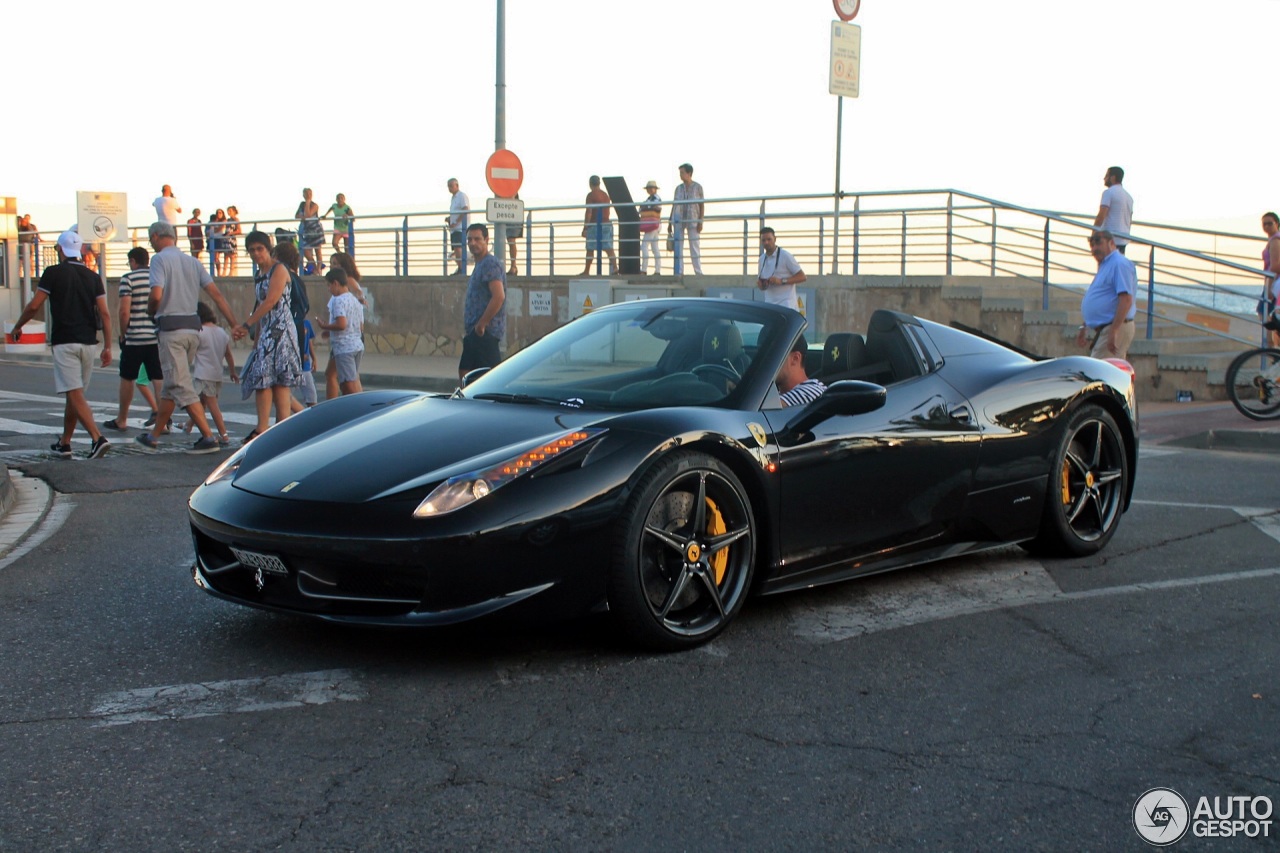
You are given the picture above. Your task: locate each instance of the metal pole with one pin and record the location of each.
(949, 247)
(857, 223)
(835, 231)
(745, 238)
(1151, 292)
(993, 241)
(499, 245)
(903, 270)
(1044, 300)
(821, 258)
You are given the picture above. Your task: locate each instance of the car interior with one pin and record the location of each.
(885, 356)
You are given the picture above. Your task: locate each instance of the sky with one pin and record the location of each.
(1023, 101)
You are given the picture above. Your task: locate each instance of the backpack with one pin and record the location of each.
(299, 304)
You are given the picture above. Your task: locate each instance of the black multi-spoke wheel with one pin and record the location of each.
(1253, 383)
(1087, 486)
(682, 566)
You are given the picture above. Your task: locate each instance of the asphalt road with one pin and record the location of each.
(990, 703)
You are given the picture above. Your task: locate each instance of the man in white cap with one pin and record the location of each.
(650, 227)
(74, 295)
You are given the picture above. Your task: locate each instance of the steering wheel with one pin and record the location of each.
(717, 370)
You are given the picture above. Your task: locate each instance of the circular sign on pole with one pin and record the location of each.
(847, 9)
(504, 173)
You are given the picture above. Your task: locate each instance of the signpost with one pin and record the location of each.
(102, 217)
(508, 211)
(504, 173)
(847, 9)
(846, 66)
(846, 56)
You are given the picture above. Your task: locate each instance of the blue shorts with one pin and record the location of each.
(455, 239)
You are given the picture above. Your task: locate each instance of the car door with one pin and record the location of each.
(862, 487)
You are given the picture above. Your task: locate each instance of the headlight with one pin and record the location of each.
(457, 492)
(228, 468)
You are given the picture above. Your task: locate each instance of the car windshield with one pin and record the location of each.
(640, 355)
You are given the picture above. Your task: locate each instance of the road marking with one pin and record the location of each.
(28, 428)
(927, 595)
(1266, 519)
(214, 698)
(36, 504)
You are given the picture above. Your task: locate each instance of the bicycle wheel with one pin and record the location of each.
(1253, 383)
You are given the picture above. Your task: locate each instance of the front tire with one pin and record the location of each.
(1087, 486)
(684, 559)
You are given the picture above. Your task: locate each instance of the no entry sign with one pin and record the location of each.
(504, 173)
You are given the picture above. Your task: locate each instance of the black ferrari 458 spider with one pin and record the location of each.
(639, 460)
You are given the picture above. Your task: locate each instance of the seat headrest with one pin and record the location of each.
(722, 339)
(843, 351)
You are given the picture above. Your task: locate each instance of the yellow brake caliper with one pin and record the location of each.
(1066, 485)
(717, 527)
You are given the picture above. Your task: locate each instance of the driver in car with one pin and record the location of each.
(793, 381)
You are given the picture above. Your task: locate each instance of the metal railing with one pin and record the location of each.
(891, 233)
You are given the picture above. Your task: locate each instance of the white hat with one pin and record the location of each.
(69, 242)
(652, 185)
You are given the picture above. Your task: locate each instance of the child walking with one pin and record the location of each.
(214, 348)
(304, 395)
(346, 323)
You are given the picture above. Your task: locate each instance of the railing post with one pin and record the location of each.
(949, 202)
(993, 241)
(857, 221)
(1044, 299)
(599, 240)
(1151, 292)
(528, 244)
(678, 268)
(903, 260)
(744, 245)
(821, 223)
(404, 247)
(351, 237)
(551, 249)
(396, 255)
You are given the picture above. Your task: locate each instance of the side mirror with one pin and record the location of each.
(472, 376)
(843, 398)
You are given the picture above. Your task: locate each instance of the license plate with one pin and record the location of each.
(266, 562)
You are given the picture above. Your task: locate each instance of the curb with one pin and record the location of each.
(1248, 441)
(7, 493)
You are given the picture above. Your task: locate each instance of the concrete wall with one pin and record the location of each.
(423, 316)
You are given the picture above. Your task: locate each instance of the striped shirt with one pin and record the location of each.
(137, 286)
(804, 393)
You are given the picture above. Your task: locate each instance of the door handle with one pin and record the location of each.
(961, 414)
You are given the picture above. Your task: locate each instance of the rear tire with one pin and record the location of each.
(1252, 384)
(683, 561)
(1087, 486)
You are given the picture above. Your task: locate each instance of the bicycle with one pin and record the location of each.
(1253, 383)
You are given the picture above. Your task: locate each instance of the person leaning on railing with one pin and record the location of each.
(1270, 284)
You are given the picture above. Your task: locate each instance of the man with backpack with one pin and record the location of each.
(176, 282)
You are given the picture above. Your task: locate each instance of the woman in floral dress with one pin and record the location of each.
(275, 366)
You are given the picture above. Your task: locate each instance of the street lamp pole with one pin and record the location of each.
(500, 119)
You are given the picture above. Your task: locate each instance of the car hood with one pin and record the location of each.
(404, 448)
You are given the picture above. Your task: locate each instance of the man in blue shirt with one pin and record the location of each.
(1108, 306)
(484, 313)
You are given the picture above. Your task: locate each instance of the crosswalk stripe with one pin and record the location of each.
(212, 698)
